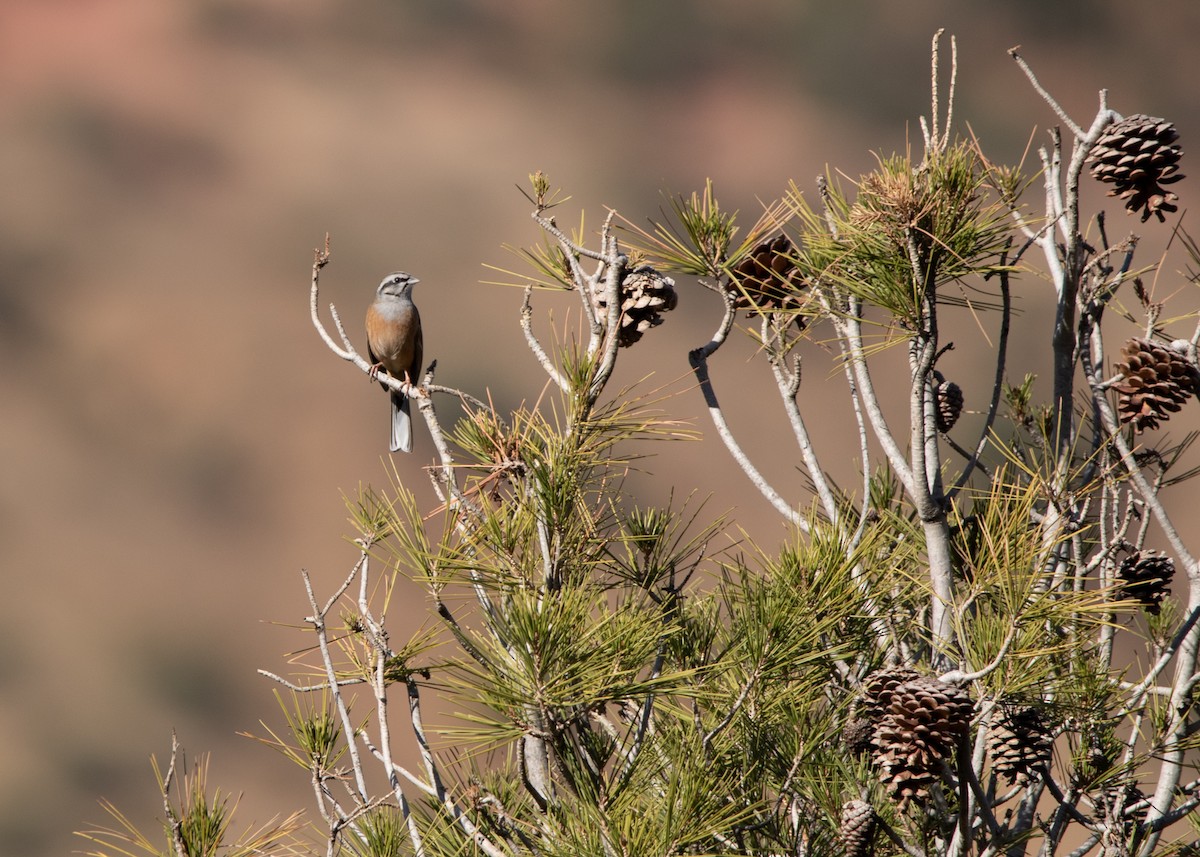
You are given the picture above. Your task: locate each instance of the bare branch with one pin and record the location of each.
(789, 387)
(536, 347)
(317, 620)
(997, 384)
(1046, 96)
(851, 332)
(173, 822)
(699, 360)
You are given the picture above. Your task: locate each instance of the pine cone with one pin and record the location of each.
(645, 295)
(880, 686)
(1139, 155)
(948, 397)
(858, 828)
(858, 734)
(1158, 380)
(1146, 577)
(1020, 742)
(924, 722)
(766, 278)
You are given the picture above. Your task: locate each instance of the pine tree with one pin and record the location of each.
(926, 666)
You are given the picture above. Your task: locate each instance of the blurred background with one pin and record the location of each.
(175, 438)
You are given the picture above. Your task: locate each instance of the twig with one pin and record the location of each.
(1046, 96)
(935, 141)
(446, 482)
(418, 728)
(864, 454)
(699, 361)
(463, 396)
(459, 634)
(317, 620)
(616, 265)
(851, 333)
(1065, 803)
(536, 347)
(959, 677)
(1086, 846)
(997, 385)
(306, 688)
(789, 388)
(738, 702)
(346, 350)
(901, 843)
(1147, 684)
(645, 717)
(173, 822)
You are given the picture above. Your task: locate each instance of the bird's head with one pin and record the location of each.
(397, 284)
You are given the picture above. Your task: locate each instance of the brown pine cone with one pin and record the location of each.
(879, 688)
(645, 295)
(858, 828)
(921, 728)
(858, 734)
(1020, 742)
(766, 278)
(948, 397)
(1146, 577)
(1158, 380)
(1139, 155)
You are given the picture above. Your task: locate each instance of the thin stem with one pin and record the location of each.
(698, 358)
(850, 330)
(1046, 96)
(536, 347)
(997, 386)
(173, 822)
(789, 388)
(317, 620)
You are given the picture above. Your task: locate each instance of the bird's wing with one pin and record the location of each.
(414, 372)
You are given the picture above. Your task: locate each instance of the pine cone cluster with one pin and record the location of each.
(858, 828)
(767, 278)
(948, 397)
(645, 296)
(917, 723)
(1146, 577)
(1020, 742)
(1139, 155)
(1158, 380)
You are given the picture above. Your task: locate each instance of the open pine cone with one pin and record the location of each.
(879, 689)
(917, 723)
(948, 397)
(766, 278)
(1158, 380)
(645, 296)
(1146, 577)
(1139, 155)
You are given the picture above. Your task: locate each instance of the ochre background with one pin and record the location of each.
(175, 438)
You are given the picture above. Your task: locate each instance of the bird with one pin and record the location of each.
(394, 343)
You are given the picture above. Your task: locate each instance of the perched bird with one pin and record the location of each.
(394, 343)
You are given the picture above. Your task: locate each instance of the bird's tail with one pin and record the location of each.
(401, 424)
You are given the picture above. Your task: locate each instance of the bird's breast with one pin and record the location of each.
(391, 329)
